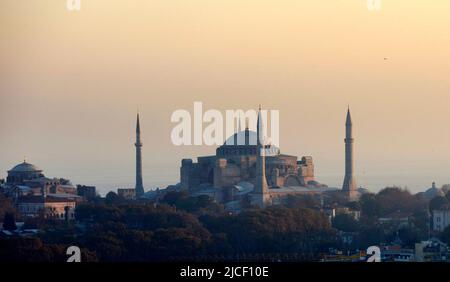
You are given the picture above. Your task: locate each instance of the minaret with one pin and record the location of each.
(349, 186)
(261, 196)
(139, 186)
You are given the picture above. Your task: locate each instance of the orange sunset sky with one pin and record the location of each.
(70, 84)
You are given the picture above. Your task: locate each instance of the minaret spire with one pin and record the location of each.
(349, 186)
(260, 129)
(138, 125)
(139, 184)
(348, 121)
(261, 196)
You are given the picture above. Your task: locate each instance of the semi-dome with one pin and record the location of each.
(25, 167)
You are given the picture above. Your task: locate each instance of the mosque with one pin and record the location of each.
(246, 168)
(235, 163)
(258, 171)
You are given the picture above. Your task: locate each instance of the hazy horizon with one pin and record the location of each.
(71, 83)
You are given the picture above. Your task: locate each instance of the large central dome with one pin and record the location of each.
(244, 143)
(246, 137)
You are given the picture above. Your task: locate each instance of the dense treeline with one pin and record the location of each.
(148, 232)
(278, 229)
(390, 203)
(180, 227)
(391, 200)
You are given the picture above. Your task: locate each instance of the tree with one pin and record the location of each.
(421, 220)
(439, 203)
(274, 230)
(409, 235)
(174, 197)
(9, 222)
(112, 198)
(354, 205)
(140, 231)
(335, 197)
(6, 206)
(390, 200)
(31, 249)
(304, 201)
(345, 222)
(369, 205)
(371, 235)
(199, 204)
(394, 199)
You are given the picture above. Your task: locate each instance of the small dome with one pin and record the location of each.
(25, 167)
(433, 192)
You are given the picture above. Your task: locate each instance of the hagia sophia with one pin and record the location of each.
(241, 170)
(246, 168)
(235, 163)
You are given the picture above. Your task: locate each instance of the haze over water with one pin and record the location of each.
(70, 84)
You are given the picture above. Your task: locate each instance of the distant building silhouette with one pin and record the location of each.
(87, 192)
(127, 193)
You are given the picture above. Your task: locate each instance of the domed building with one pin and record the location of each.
(236, 162)
(433, 192)
(23, 172)
(28, 179)
(34, 193)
